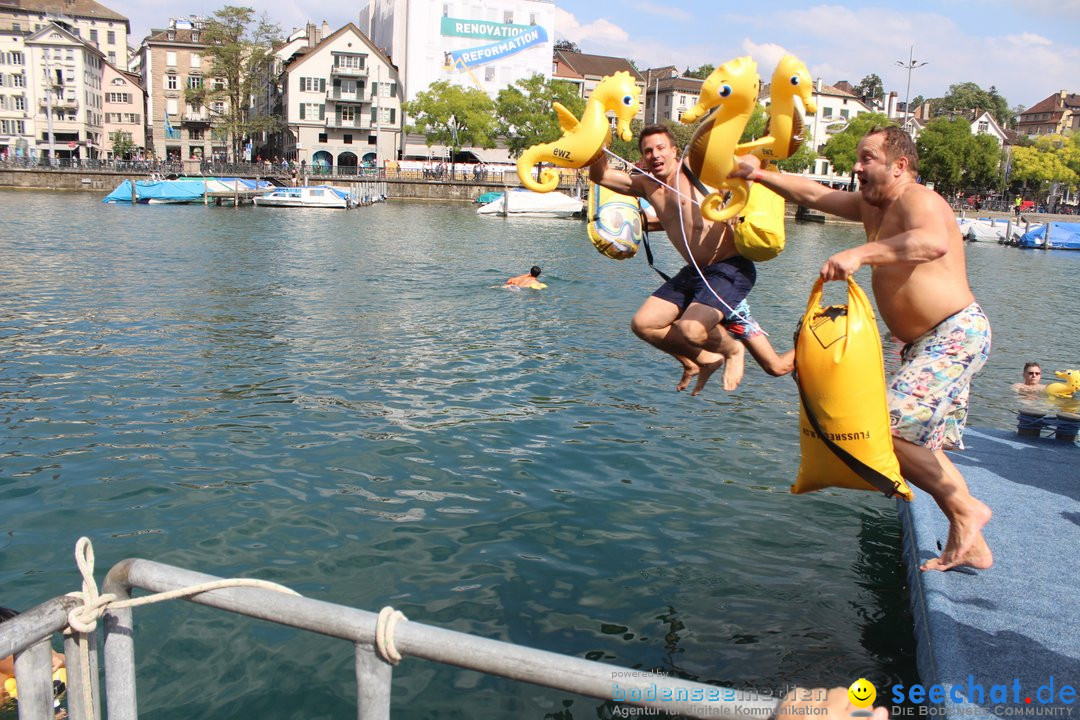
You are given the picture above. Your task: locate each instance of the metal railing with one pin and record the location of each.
(27, 636)
(432, 172)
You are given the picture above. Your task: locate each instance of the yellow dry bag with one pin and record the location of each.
(844, 418)
(759, 234)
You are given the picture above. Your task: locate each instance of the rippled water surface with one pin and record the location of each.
(349, 404)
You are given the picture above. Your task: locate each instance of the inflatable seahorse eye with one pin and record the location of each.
(731, 89)
(583, 141)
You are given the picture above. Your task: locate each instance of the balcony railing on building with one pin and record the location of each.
(354, 123)
(343, 71)
(337, 95)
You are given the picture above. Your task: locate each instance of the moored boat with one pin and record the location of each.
(526, 203)
(311, 196)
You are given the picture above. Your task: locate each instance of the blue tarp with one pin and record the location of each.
(181, 190)
(1063, 236)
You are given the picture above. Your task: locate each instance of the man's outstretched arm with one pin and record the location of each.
(603, 174)
(802, 190)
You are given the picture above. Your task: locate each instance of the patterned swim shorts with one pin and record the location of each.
(928, 396)
(741, 324)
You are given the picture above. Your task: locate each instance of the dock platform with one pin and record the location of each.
(1004, 641)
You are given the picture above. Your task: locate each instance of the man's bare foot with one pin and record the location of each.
(966, 545)
(706, 372)
(733, 369)
(688, 373)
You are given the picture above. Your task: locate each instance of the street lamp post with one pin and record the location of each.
(911, 64)
(453, 125)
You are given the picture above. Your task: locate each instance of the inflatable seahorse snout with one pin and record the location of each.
(583, 140)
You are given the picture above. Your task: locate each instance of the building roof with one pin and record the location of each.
(301, 57)
(182, 36)
(71, 8)
(680, 84)
(597, 65)
(1058, 101)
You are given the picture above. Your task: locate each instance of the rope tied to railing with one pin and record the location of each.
(384, 634)
(83, 618)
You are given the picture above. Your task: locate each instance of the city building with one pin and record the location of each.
(668, 94)
(486, 44)
(124, 104)
(341, 101)
(91, 21)
(591, 69)
(835, 107)
(173, 61)
(16, 118)
(1053, 116)
(64, 82)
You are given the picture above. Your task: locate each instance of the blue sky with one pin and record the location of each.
(1028, 49)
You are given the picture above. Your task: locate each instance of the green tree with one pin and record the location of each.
(802, 160)
(954, 159)
(968, 97)
(702, 71)
(1050, 159)
(453, 116)
(870, 87)
(525, 114)
(840, 149)
(568, 45)
(122, 144)
(239, 49)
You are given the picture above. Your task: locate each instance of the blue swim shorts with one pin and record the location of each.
(728, 283)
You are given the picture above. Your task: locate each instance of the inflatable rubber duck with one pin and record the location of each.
(1067, 388)
(583, 140)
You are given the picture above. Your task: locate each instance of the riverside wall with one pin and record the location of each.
(104, 181)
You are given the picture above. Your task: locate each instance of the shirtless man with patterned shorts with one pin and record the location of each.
(920, 283)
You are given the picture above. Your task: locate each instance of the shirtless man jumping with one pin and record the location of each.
(920, 284)
(683, 318)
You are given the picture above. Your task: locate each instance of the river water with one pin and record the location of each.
(348, 403)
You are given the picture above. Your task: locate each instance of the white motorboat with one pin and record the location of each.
(313, 196)
(526, 203)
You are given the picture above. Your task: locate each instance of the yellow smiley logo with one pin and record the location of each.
(862, 693)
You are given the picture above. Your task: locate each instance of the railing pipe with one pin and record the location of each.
(539, 667)
(373, 676)
(119, 648)
(33, 675)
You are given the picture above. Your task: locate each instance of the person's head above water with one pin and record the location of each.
(535, 271)
(1032, 373)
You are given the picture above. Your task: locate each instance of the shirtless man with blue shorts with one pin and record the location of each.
(920, 283)
(685, 316)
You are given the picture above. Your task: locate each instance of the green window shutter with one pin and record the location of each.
(302, 108)
(393, 89)
(373, 116)
(393, 114)
(374, 89)
(322, 85)
(322, 112)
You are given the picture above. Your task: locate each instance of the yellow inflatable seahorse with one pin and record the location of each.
(583, 141)
(790, 98)
(732, 89)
